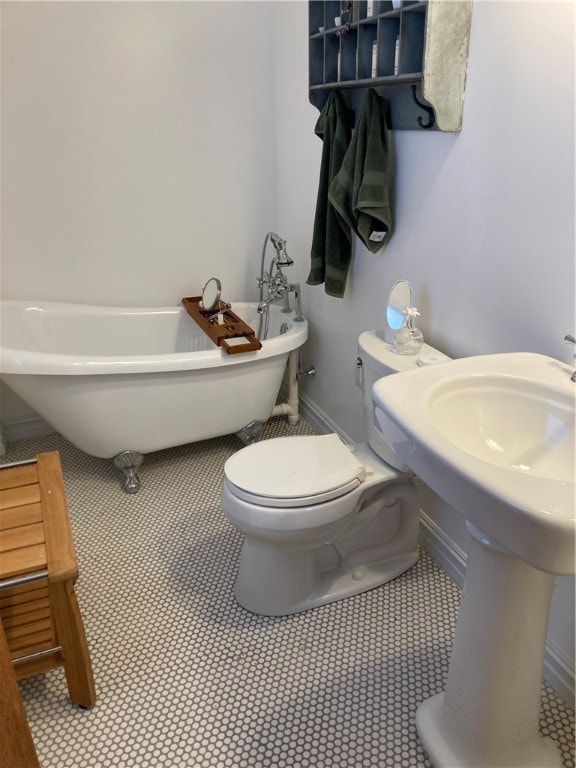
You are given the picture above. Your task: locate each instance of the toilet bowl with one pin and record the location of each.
(322, 520)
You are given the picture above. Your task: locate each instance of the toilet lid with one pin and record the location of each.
(295, 467)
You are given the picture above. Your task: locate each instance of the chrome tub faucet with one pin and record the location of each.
(274, 283)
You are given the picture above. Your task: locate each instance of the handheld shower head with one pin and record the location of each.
(282, 259)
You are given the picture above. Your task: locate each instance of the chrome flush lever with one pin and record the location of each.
(571, 340)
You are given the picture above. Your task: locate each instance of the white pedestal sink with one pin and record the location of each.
(494, 437)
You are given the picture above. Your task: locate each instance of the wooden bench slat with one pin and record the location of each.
(35, 590)
(40, 641)
(39, 613)
(8, 611)
(20, 634)
(21, 515)
(12, 477)
(17, 497)
(19, 562)
(21, 537)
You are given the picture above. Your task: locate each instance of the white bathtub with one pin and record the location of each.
(114, 379)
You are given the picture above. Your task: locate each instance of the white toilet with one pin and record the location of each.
(323, 520)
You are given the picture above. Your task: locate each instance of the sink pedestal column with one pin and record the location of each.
(488, 716)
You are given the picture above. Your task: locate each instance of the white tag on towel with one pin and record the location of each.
(377, 237)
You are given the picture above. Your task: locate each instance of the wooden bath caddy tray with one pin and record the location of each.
(232, 333)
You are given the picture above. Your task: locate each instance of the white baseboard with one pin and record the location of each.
(319, 420)
(450, 557)
(559, 671)
(29, 426)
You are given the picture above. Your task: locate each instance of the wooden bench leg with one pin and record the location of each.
(16, 745)
(72, 637)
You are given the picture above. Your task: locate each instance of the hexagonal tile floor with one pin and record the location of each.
(186, 678)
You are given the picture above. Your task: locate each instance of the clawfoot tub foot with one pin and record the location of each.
(251, 432)
(128, 462)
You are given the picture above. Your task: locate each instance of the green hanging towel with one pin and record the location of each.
(332, 238)
(359, 192)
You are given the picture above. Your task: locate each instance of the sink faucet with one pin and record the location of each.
(571, 340)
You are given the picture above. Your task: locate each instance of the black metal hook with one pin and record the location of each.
(427, 108)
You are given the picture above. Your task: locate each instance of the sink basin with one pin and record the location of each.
(524, 428)
(493, 436)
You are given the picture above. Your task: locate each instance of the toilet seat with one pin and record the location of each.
(294, 471)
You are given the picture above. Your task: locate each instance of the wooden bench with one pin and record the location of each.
(38, 606)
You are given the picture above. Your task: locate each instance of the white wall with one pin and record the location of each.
(147, 146)
(138, 149)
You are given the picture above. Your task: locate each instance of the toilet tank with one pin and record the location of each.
(379, 359)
